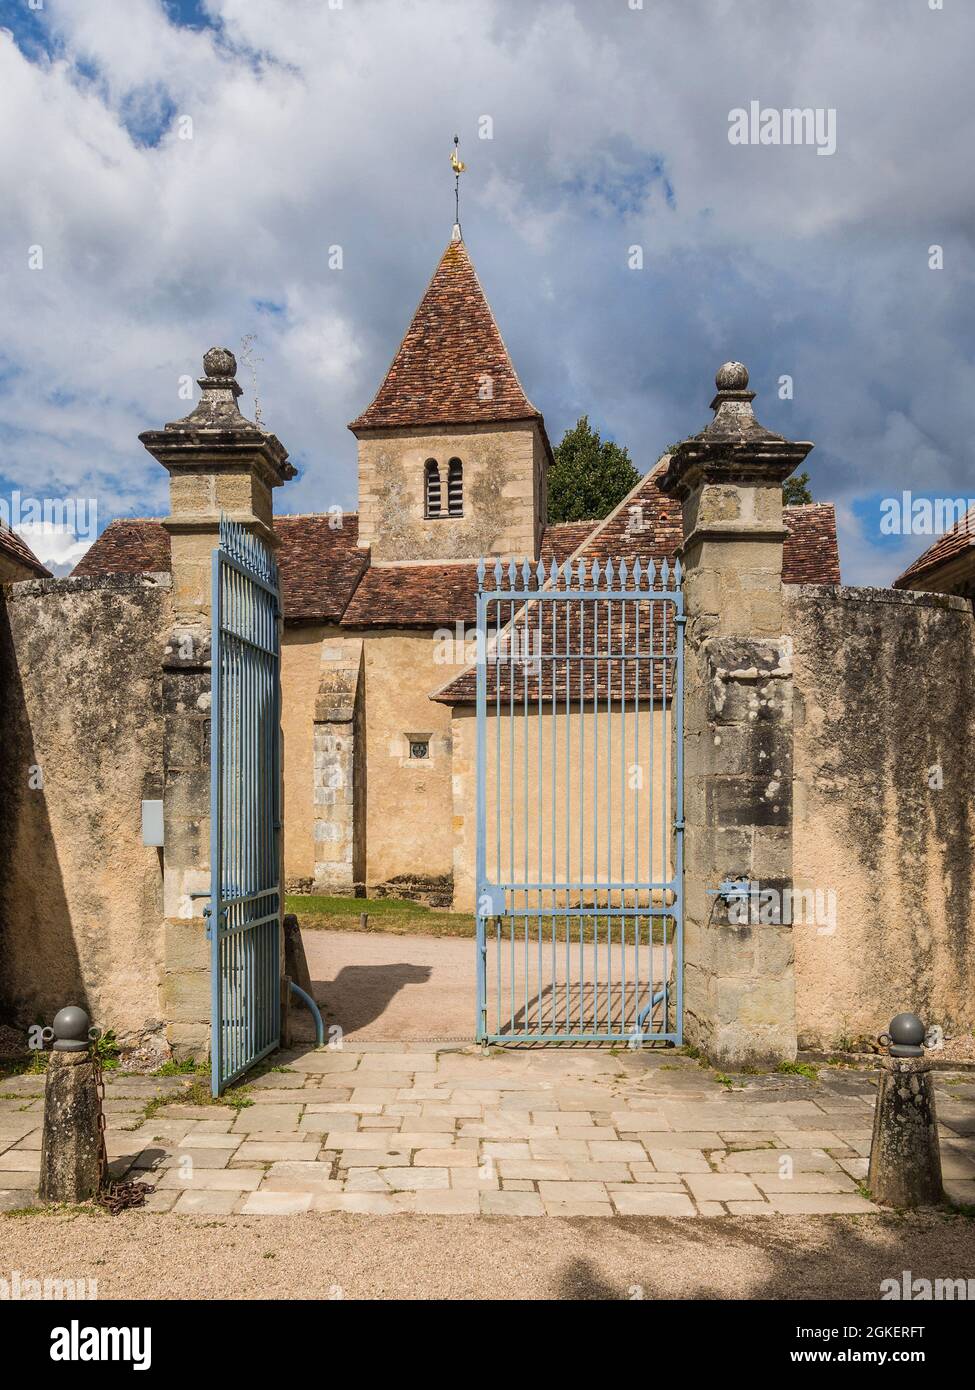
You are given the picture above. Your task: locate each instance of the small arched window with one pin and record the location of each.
(432, 487)
(455, 488)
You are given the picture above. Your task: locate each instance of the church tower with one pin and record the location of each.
(453, 456)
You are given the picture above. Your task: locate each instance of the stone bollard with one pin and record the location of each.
(905, 1160)
(71, 1148)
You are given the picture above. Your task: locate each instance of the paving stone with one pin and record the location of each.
(266, 1203)
(805, 1183)
(638, 1121)
(721, 1187)
(634, 1201)
(750, 1209)
(365, 1180)
(517, 1185)
(397, 1143)
(646, 1173)
(511, 1204)
(559, 1148)
(573, 1208)
(413, 1179)
(497, 1148)
(13, 1178)
(206, 1203)
(445, 1158)
(368, 1203)
(572, 1191)
(855, 1167)
(679, 1160)
(825, 1204)
(212, 1179)
(300, 1177)
(327, 1062)
(711, 1209)
(21, 1161)
(771, 1160)
(161, 1200)
(274, 1117)
(200, 1112)
(374, 1158)
(451, 1203)
(622, 1151)
(581, 1171)
(961, 1191)
(332, 1124)
(535, 1169)
(480, 1179)
(683, 1139)
(256, 1152)
(13, 1198)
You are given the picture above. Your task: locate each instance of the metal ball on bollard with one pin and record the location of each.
(905, 1160)
(72, 1152)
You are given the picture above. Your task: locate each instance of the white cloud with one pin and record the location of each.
(315, 126)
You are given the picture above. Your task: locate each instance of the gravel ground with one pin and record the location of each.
(138, 1255)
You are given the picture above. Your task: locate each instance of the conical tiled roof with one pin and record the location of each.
(452, 366)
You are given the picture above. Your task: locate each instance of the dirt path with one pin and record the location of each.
(379, 986)
(136, 1255)
(413, 988)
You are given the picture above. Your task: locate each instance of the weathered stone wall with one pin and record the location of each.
(81, 734)
(301, 662)
(409, 810)
(884, 808)
(504, 490)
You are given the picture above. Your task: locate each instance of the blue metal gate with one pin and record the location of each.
(244, 918)
(580, 688)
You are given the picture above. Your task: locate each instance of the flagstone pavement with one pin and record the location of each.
(385, 1128)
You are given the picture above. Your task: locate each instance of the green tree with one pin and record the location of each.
(795, 491)
(590, 476)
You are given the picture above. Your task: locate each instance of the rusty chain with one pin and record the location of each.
(113, 1196)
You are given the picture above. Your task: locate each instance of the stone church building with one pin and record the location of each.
(453, 463)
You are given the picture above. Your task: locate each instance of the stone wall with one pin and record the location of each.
(81, 733)
(884, 808)
(409, 811)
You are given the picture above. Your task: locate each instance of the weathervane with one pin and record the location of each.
(458, 166)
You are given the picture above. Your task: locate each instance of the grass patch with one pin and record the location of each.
(811, 1073)
(185, 1068)
(398, 917)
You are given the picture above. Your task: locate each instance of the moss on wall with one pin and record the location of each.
(81, 740)
(885, 812)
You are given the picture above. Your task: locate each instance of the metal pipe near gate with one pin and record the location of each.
(313, 1008)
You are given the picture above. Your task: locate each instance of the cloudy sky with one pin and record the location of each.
(321, 123)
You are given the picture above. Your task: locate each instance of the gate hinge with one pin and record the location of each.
(678, 825)
(680, 619)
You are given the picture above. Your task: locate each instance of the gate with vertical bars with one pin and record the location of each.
(580, 687)
(245, 807)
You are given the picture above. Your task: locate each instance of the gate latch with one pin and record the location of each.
(490, 901)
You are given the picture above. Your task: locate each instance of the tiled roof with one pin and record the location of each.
(15, 548)
(947, 547)
(646, 526)
(130, 545)
(810, 554)
(451, 349)
(320, 564)
(414, 596)
(326, 577)
(563, 538)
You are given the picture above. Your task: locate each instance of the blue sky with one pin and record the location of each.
(315, 124)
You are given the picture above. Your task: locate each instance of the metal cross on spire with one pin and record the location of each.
(458, 166)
